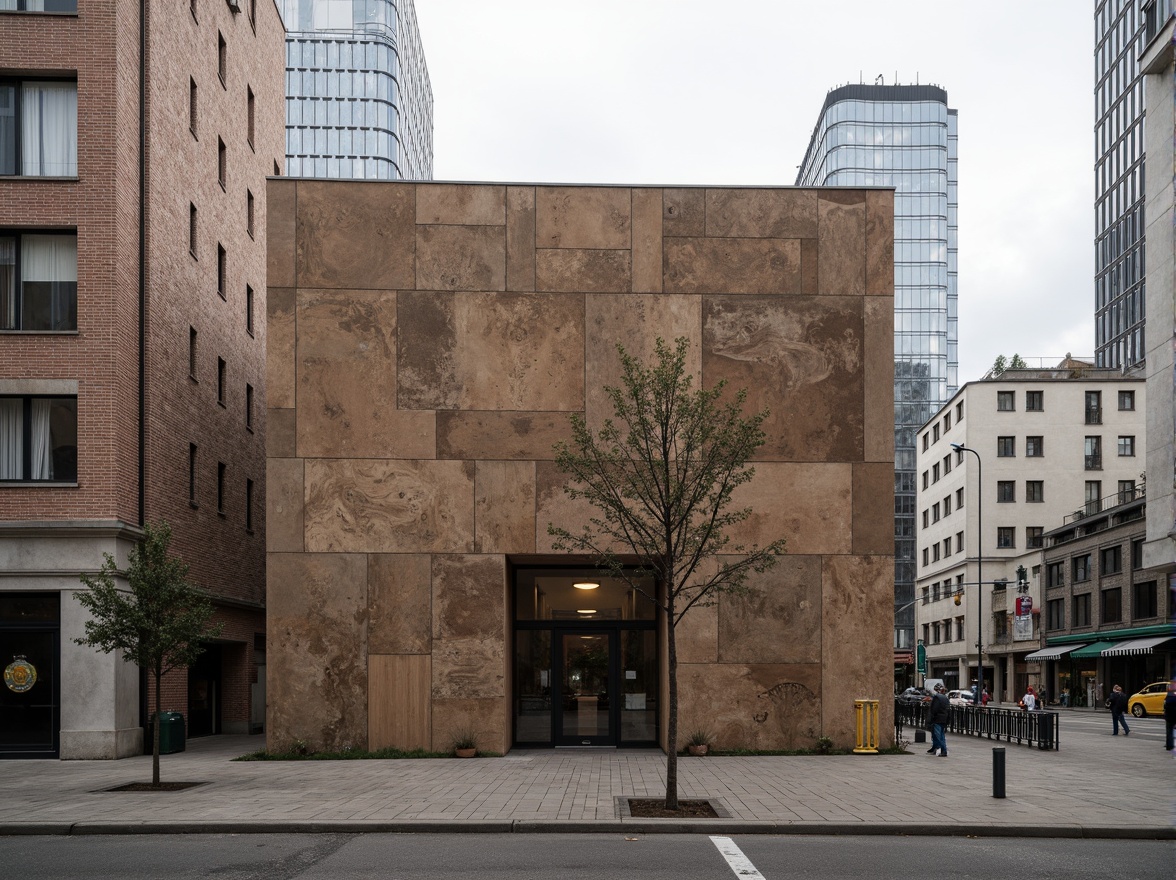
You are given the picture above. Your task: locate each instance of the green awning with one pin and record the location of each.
(1089, 651)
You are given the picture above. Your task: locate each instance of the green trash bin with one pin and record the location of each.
(171, 734)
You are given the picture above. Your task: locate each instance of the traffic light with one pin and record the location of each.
(1022, 579)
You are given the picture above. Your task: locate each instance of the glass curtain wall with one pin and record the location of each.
(905, 137)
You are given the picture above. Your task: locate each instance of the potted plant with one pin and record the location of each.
(465, 744)
(698, 743)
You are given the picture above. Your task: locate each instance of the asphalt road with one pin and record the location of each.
(573, 857)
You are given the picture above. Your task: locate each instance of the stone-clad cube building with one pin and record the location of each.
(426, 344)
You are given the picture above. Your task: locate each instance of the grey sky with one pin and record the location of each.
(686, 92)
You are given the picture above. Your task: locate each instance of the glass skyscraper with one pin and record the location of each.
(904, 137)
(358, 100)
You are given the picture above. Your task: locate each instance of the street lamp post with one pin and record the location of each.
(959, 447)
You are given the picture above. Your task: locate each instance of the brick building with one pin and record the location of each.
(135, 142)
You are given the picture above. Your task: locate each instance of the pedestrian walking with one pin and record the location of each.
(937, 717)
(1118, 707)
(1029, 701)
(984, 698)
(1065, 698)
(1169, 714)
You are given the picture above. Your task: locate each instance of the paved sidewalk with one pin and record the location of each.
(1096, 786)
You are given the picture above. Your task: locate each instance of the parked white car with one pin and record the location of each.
(959, 698)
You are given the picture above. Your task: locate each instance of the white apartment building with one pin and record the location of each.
(1049, 443)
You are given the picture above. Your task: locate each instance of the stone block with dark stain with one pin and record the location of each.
(461, 258)
(284, 501)
(469, 596)
(461, 205)
(732, 265)
(879, 243)
(504, 507)
(280, 346)
(279, 433)
(684, 212)
(779, 619)
(761, 213)
(647, 240)
(400, 603)
(520, 238)
(842, 260)
(873, 508)
(878, 379)
(593, 217)
(279, 232)
(579, 270)
(518, 436)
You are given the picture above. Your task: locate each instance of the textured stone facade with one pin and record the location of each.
(426, 345)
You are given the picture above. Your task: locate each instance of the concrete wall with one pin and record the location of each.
(426, 345)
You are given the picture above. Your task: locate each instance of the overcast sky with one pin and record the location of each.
(670, 92)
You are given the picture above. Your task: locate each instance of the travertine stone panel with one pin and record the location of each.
(400, 603)
(504, 507)
(486, 351)
(317, 659)
(697, 634)
(754, 706)
(279, 361)
(458, 205)
(583, 217)
(873, 508)
(809, 266)
(577, 270)
(527, 436)
(800, 358)
(470, 668)
(842, 261)
(347, 379)
(761, 213)
(647, 240)
(357, 235)
(283, 505)
(520, 238)
(878, 377)
(807, 504)
(279, 433)
(735, 265)
(486, 719)
(780, 621)
(461, 258)
(374, 506)
(879, 243)
(554, 507)
(858, 611)
(469, 597)
(635, 322)
(279, 232)
(684, 212)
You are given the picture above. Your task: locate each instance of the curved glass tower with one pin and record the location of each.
(904, 137)
(358, 100)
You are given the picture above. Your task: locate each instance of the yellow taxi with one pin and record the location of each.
(1149, 701)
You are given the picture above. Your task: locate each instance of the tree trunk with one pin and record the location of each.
(155, 732)
(672, 725)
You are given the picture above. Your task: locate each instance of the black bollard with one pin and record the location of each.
(998, 772)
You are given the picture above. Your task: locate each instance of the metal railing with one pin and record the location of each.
(1038, 729)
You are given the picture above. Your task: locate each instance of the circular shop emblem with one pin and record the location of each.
(20, 675)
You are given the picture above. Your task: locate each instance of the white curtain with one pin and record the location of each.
(42, 444)
(52, 261)
(49, 129)
(11, 437)
(7, 283)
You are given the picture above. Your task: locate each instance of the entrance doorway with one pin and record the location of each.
(29, 694)
(204, 693)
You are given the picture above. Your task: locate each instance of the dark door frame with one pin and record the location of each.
(560, 736)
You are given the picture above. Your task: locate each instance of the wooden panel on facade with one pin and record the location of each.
(399, 694)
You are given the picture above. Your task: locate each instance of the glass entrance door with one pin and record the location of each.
(587, 664)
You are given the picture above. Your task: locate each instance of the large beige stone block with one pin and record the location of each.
(283, 505)
(732, 265)
(878, 379)
(372, 506)
(400, 603)
(529, 436)
(356, 234)
(873, 508)
(553, 506)
(842, 259)
(279, 433)
(484, 718)
(808, 504)
(280, 338)
(461, 258)
(485, 351)
(347, 380)
(520, 238)
(579, 270)
(279, 232)
(779, 621)
(761, 213)
(469, 597)
(504, 507)
(801, 359)
(316, 639)
(647, 240)
(461, 205)
(583, 217)
(879, 243)
(684, 212)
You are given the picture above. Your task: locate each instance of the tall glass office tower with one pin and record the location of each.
(358, 100)
(904, 137)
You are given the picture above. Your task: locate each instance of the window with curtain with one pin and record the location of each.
(39, 439)
(39, 128)
(39, 282)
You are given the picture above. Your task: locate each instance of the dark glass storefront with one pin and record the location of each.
(585, 660)
(30, 630)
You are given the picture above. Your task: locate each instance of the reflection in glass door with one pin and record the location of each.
(587, 695)
(28, 696)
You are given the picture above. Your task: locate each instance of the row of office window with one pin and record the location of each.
(1110, 562)
(941, 631)
(942, 550)
(222, 487)
(1111, 609)
(932, 436)
(221, 377)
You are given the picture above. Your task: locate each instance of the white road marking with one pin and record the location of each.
(738, 862)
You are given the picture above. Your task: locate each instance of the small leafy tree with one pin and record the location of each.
(660, 475)
(1002, 364)
(159, 625)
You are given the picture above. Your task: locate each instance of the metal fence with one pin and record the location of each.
(1038, 729)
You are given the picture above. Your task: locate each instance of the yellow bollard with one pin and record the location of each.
(867, 726)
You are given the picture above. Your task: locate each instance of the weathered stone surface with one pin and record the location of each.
(684, 212)
(808, 504)
(504, 507)
(732, 265)
(527, 436)
(573, 270)
(781, 621)
(347, 379)
(520, 238)
(461, 258)
(279, 232)
(371, 506)
(583, 217)
(878, 378)
(400, 603)
(487, 351)
(761, 213)
(697, 633)
(873, 508)
(554, 507)
(647, 240)
(461, 205)
(283, 505)
(858, 612)
(469, 668)
(279, 433)
(842, 263)
(279, 360)
(486, 719)
(879, 243)
(356, 234)
(799, 357)
(317, 650)
(469, 597)
(753, 706)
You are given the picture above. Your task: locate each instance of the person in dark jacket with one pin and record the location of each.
(938, 715)
(1169, 714)
(1118, 706)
